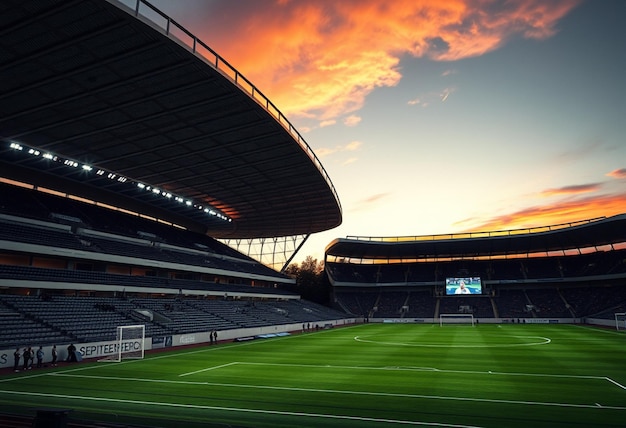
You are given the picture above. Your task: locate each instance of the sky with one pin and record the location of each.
(440, 116)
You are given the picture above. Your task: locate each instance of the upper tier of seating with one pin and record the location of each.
(528, 269)
(64, 223)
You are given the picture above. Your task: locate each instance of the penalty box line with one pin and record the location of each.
(347, 392)
(420, 369)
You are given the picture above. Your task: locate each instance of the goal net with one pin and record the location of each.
(620, 320)
(456, 319)
(129, 343)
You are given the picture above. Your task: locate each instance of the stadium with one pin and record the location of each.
(151, 200)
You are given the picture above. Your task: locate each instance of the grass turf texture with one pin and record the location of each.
(372, 375)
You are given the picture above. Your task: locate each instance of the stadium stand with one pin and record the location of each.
(568, 272)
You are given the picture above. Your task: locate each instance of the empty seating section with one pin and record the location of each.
(390, 304)
(359, 302)
(547, 302)
(512, 303)
(150, 240)
(506, 302)
(421, 304)
(600, 302)
(536, 268)
(52, 319)
(31, 234)
(180, 317)
(18, 329)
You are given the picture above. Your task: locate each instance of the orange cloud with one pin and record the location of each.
(321, 58)
(572, 190)
(618, 173)
(563, 212)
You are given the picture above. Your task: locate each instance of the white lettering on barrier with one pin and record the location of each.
(188, 338)
(109, 348)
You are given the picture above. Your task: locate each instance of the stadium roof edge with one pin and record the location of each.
(110, 89)
(588, 233)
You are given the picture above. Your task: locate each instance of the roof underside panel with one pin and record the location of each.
(88, 81)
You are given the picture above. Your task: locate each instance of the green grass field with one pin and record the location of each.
(372, 375)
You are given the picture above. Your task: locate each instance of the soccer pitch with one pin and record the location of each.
(371, 375)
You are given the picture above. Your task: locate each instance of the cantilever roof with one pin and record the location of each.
(592, 233)
(91, 82)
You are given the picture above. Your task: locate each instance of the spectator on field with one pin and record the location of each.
(55, 355)
(71, 353)
(40, 357)
(26, 357)
(16, 359)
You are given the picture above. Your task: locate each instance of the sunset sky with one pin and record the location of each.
(441, 116)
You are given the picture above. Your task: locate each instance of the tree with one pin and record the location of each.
(310, 282)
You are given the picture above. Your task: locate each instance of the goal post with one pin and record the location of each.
(456, 319)
(620, 320)
(129, 343)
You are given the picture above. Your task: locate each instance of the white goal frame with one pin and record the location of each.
(130, 343)
(456, 319)
(619, 320)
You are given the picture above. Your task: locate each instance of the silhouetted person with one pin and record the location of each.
(26, 357)
(55, 355)
(16, 359)
(71, 353)
(40, 357)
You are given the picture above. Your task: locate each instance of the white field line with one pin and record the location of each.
(207, 369)
(542, 341)
(615, 383)
(243, 410)
(428, 369)
(367, 393)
